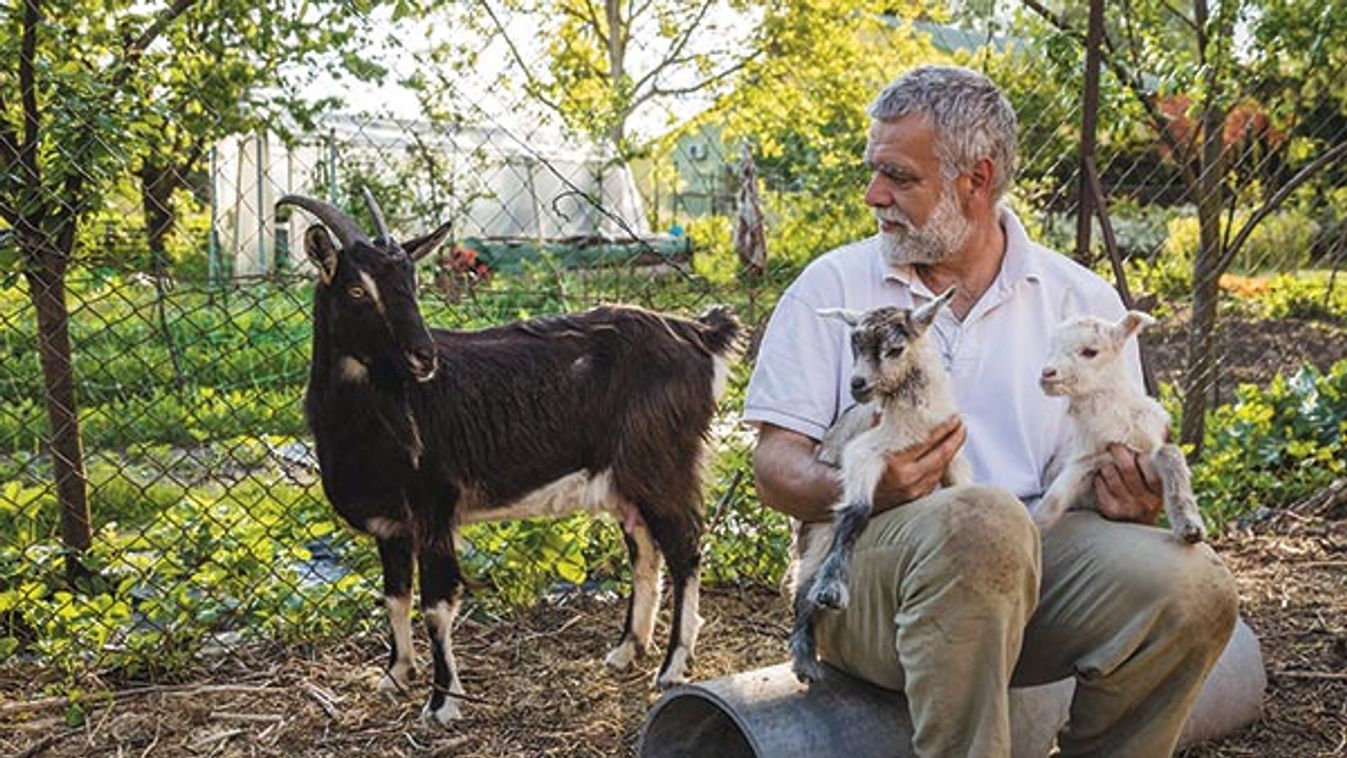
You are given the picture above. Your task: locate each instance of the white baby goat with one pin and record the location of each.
(1106, 408)
(898, 375)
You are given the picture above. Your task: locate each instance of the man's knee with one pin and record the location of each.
(1197, 595)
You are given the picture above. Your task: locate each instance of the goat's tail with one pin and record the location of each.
(720, 330)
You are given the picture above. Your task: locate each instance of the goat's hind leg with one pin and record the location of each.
(643, 605)
(1066, 490)
(395, 553)
(679, 539)
(830, 584)
(1180, 505)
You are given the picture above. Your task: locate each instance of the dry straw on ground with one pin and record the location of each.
(538, 688)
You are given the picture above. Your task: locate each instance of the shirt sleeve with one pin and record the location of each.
(794, 382)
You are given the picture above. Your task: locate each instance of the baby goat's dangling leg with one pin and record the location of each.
(1180, 505)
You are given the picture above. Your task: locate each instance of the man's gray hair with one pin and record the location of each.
(971, 117)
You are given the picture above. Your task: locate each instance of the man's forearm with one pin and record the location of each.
(790, 479)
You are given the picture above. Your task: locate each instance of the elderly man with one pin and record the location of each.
(954, 595)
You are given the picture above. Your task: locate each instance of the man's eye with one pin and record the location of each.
(356, 292)
(1089, 352)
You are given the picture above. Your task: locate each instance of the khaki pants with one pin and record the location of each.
(953, 601)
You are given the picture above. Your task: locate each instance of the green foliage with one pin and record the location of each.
(1280, 242)
(1311, 297)
(1274, 445)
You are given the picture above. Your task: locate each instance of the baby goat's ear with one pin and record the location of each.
(318, 245)
(923, 316)
(850, 316)
(1132, 323)
(427, 243)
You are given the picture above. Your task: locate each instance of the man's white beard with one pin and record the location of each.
(945, 232)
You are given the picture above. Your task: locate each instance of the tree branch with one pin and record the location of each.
(1335, 153)
(655, 91)
(533, 82)
(675, 49)
(28, 94)
(1158, 121)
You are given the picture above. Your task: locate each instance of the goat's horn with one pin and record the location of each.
(378, 214)
(348, 233)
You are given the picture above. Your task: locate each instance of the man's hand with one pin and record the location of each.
(1128, 488)
(916, 471)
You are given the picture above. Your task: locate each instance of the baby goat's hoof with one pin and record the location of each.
(831, 594)
(807, 670)
(440, 710)
(1192, 533)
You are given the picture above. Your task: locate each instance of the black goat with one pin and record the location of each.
(419, 430)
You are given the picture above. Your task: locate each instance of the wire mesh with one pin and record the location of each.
(584, 156)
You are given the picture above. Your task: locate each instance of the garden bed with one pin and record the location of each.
(539, 689)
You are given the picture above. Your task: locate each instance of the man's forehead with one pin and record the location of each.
(910, 133)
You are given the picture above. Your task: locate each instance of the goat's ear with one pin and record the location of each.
(1131, 323)
(923, 316)
(427, 243)
(318, 245)
(850, 316)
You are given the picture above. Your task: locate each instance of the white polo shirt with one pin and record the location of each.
(994, 356)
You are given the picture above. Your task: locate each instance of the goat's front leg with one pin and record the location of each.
(1180, 505)
(440, 587)
(859, 480)
(395, 553)
(958, 473)
(644, 602)
(1066, 490)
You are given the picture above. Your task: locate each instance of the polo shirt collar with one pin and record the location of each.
(1019, 264)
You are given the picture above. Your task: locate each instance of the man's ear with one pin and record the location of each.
(848, 315)
(1130, 324)
(427, 243)
(318, 245)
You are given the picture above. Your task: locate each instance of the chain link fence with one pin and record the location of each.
(159, 499)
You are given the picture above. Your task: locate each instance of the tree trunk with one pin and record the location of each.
(156, 197)
(46, 290)
(1201, 372)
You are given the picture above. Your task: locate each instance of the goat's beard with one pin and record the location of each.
(945, 232)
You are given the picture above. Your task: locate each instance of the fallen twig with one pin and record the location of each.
(323, 699)
(1338, 676)
(175, 690)
(41, 745)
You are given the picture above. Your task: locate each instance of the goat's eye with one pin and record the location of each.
(356, 292)
(1089, 352)
(893, 352)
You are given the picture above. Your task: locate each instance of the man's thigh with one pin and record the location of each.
(969, 533)
(1101, 579)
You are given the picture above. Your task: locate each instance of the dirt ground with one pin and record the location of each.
(538, 687)
(1248, 350)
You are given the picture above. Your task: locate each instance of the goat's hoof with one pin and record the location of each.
(676, 672)
(394, 684)
(440, 710)
(806, 669)
(832, 595)
(621, 657)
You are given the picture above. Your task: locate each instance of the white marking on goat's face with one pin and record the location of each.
(350, 369)
(1083, 357)
(372, 290)
(398, 678)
